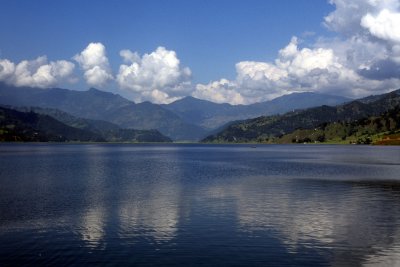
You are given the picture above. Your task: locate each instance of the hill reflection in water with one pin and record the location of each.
(197, 205)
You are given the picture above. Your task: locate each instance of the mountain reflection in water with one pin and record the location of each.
(181, 205)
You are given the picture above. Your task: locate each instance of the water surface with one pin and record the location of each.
(199, 205)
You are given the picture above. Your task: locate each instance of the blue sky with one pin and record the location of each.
(223, 51)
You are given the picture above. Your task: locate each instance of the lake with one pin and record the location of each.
(199, 205)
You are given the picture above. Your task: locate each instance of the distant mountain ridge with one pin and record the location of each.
(212, 115)
(188, 119)
(99, 105)
(265, 128)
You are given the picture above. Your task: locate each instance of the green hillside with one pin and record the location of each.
(35, 125)
(100, 105)
(269, 128)
(377, 129)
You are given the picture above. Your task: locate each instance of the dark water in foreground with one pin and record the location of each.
(199, 205)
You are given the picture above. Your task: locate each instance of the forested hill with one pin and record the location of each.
(100, 105)
(383, 129)
(268, 128)
(187, 119)
(30, 126)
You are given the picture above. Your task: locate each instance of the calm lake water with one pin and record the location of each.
(199, 205)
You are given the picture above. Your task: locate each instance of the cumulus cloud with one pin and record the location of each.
(385, 25)
(94, 62)
(222, 91)
(7, 69)
(129, 57)
(295, 70)
(374, 43)
(363, 58)
(157, 76)
(317, 69)
(348, 15)
(35, 73)
(158, 96)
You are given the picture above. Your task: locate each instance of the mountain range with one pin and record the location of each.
(211, 115)
(269, 128)
(188, 119)
(44, 125)
(99, 105)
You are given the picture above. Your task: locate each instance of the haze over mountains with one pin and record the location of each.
(188, 119)
(212, 115)
(52, 125)
(99, 105)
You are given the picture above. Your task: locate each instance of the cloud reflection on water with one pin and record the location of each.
(233, 200)
(343, 217)
(356, 222)
(136, 200)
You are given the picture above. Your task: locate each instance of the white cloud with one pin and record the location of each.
(317, 69)
(363, 59)
(374, 40)
(7, 69)
(157, 96)
(294, 70)
(371, 28)
(97, 76)
(290, 50)
(347, 16)
(222, 91)
(259, 81)
(385, 25)
(93, 60)
(129, 56)
(35, 73)
(157, 76)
